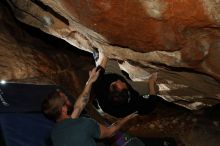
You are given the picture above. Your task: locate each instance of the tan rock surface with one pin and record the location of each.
(178, 39)
(30, 56)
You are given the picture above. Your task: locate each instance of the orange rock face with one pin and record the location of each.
(138, 25)
(163, 25)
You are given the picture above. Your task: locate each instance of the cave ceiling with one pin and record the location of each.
(178, 39)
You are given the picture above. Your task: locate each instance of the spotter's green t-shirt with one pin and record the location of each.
(76, 132)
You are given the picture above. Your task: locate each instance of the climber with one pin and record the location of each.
(116, 96)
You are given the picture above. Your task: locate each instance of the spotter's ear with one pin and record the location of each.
(61, 94)
(64, 110)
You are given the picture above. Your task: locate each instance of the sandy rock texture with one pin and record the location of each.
(177, 39)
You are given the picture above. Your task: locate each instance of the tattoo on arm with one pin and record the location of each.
(82, 100)
(85, 97)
